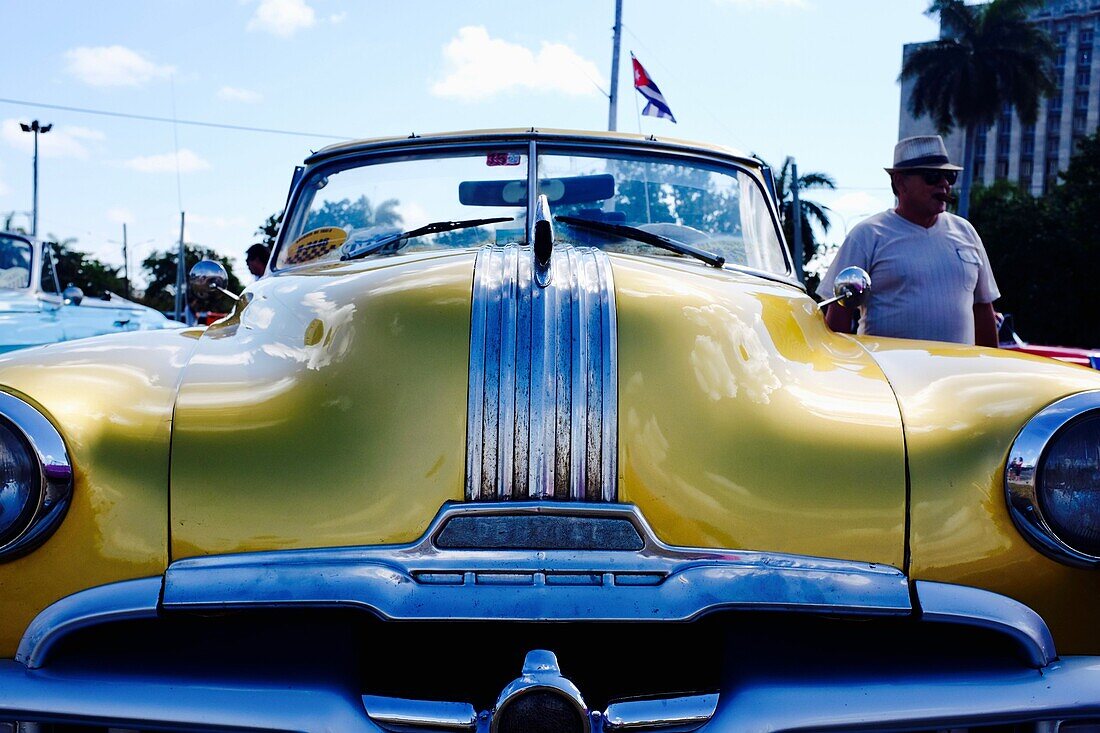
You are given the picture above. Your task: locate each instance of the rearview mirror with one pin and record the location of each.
(558, 191)
(72, 295)
(208, 278)
(851, 286)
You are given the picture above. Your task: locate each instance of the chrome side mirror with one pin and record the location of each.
(851, 286)
(208, 278)
(72, 295)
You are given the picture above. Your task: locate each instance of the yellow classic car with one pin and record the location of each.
(535, 430)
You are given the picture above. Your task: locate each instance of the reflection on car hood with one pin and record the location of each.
(332, 410)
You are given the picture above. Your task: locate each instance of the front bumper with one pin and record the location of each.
(278, 641)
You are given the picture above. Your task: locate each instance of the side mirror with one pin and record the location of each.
(208, 278)
(72, 295)
(850, 287)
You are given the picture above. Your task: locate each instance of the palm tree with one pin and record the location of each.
(810, 210)
(990, 56)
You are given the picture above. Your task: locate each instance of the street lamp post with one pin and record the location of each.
(35, 128)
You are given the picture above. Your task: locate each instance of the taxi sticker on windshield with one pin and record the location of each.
(314, 244)
(503, 159)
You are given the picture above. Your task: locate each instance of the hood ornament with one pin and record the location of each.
(544, 241)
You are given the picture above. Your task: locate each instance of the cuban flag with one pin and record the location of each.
(656, 106)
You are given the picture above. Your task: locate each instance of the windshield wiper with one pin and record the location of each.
(361, 248)
(641, 235)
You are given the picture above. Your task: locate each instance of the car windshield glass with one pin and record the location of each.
(15, 263)
(718, 209)
(346, 208)
(356, 205)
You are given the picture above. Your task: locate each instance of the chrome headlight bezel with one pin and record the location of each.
(55, 475)
(1021, 481)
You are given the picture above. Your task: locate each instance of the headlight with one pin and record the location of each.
(1052, 480)
(36, 478)
(19, 483)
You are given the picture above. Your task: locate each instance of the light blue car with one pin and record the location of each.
(34, 310)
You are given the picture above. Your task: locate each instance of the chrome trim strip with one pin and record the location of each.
(683, 713)
(116, 700)
(543, 392)
(960, 604)
(420, 713)
(420, 581)
(1021, 490)
(124, 601)
(55, 474)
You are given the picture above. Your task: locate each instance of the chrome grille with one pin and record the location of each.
(542, 405)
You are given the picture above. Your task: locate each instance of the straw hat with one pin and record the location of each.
(922, 151)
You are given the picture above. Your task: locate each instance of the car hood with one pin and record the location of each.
(331, 408)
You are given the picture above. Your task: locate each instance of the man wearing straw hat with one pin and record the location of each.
(930, 276)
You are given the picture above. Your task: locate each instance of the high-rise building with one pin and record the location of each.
(1032, 155)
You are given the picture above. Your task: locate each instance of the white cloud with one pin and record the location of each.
(233, 94)
(3, 187)
(337, 18)
(120, 215)
(113, 66)
(188, 161)
(282, 18)
(479, 66)
(59, 142)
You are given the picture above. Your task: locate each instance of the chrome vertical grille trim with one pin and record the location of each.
(543, 391)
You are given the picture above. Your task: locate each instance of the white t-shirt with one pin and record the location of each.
(924, 282)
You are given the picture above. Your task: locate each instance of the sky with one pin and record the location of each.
(812, 79)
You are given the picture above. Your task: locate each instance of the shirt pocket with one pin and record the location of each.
(969, 256)
(970, 264)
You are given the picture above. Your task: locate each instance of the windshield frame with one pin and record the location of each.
(372, 152)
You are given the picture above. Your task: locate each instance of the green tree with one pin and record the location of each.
(811, 211)
(269, 230)
(1020, 233)
(990, 56)
(160, 271)
(78, 268)
(1075, 198)
(1043, 251)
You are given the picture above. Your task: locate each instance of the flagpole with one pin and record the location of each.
(645, 171)
(613, 97)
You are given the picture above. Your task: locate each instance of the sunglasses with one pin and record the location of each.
(933, 176)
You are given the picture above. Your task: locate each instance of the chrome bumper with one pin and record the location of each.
(533, 562)
(1064, 690)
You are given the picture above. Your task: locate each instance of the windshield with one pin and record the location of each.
(15, 263)
(719, 209)
(356, 205)
(367, 206)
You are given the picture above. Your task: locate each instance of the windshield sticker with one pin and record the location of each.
(315, 244)
(503, 159)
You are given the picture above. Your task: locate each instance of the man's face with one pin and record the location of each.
(925, 191)
(256, 266)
